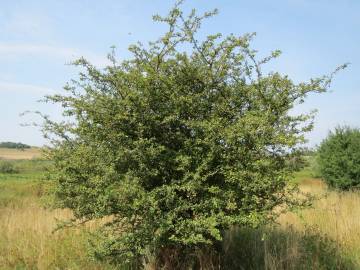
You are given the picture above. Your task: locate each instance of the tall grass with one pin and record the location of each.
(27, 240)
(336, 214)
(324, 237)
(283, 248)
(27, 237)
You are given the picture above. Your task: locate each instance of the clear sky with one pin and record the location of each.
(39, 37)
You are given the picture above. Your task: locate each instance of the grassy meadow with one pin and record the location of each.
(326, 236)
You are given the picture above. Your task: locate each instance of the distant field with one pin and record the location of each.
(16, 154)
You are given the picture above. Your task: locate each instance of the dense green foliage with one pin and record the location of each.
(339, 158)
(177, 144)
(14, 145)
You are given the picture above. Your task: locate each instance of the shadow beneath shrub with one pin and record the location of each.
(282, 249)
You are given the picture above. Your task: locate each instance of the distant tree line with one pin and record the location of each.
(14, 145)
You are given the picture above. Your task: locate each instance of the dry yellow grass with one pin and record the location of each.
(335, 214)
(27, 240)
(16, 154)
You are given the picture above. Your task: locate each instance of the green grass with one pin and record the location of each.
(310, 171)
(17, 188)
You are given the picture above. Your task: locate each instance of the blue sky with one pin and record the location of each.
(39, 37)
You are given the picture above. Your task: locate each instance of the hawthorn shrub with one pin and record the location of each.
(339, 158)
(175, 145)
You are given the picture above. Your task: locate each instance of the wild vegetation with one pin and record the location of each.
(175, 147)
(326, 236)
(185, 156)
(27, 240)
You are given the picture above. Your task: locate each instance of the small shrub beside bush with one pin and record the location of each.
(339, 158)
